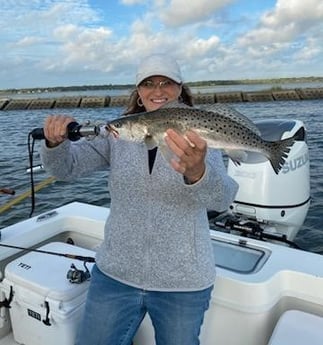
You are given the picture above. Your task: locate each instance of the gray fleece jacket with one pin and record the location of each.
(157, 234)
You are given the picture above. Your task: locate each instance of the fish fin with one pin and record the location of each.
(278, 151)
(150, 142)
(233, 114)
(221, 109)
(237, 156)
(166, 152)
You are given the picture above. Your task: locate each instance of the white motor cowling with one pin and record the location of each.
(279, 203)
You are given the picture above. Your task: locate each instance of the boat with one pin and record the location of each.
(267, 291)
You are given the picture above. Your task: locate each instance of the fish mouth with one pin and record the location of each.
(113, 130)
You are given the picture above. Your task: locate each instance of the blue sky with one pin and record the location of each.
(93, 42)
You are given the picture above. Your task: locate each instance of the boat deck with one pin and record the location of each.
(256, 281)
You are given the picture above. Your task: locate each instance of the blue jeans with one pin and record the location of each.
(114, 311)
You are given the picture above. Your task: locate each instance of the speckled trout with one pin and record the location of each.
(221, 126)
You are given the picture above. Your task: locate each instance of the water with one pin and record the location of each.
(15, 126)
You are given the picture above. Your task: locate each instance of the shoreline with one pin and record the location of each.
(275, 82)
(8, 103)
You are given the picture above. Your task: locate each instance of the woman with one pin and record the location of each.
(156, 256)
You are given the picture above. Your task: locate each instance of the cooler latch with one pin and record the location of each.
(46, 321)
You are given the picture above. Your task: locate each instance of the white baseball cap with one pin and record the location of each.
(158, 64)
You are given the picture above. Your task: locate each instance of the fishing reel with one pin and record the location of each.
(77, 276)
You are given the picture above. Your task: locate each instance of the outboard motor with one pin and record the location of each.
(277, 203)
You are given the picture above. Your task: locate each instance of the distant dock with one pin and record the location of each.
(200, 98)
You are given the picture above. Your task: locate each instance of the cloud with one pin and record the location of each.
(28, 41)
(65, 42)
(81, 48)
(287, 21)
(300, 12)
(286, 40)
(182, 12)
(311, 49)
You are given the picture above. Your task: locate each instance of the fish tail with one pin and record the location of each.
(279, 151)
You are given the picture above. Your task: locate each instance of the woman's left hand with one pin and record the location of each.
(190, 151)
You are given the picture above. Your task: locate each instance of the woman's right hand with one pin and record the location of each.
(55, 129)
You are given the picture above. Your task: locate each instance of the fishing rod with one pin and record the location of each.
(65, 255)
(26, 194)
(9, 191)
(75, 131)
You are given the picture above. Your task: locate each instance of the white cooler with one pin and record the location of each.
(46, 307)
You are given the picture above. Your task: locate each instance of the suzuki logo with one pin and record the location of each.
(295, 163)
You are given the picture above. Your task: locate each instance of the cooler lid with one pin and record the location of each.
(47, 274)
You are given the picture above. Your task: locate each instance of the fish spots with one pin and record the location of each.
(222, 128)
